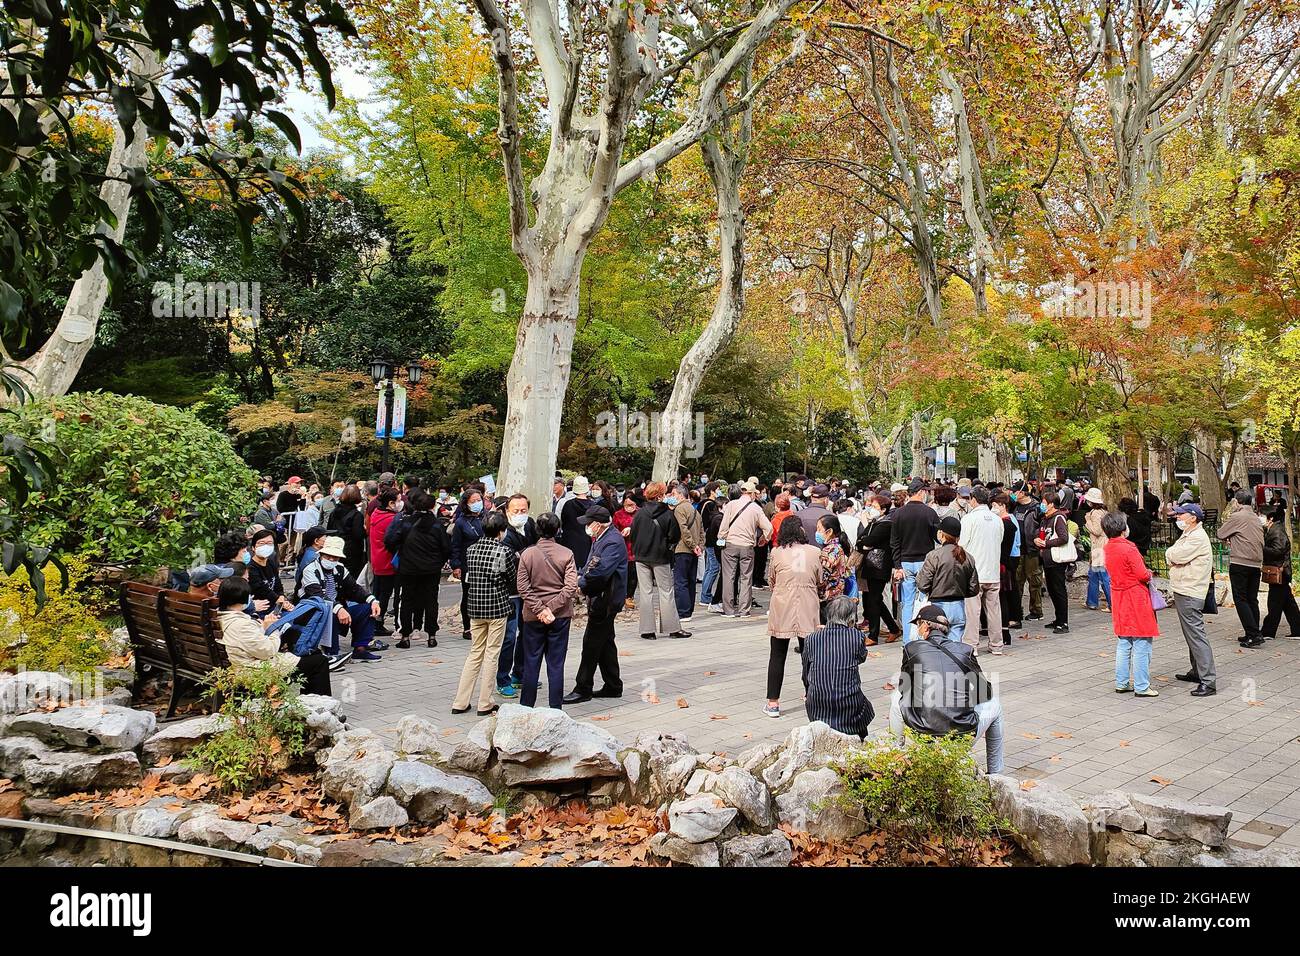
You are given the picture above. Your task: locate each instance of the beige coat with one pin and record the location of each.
(1092, 521)
(793, 573)
(688, 519)
(247, 645)
(1191, 563)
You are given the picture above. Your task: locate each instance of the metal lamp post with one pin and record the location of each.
(381, 370)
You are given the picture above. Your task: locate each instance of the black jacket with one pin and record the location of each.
(915, 529)
(264, 580)
(350, 524)
(1139, 529)
(655, 533)
(419, 541)
(572, 534)
(941, 684)
(874, 541)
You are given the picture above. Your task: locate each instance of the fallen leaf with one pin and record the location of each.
(1161, 780)
(1028, 784)
(681, 702)
(717, 716)
(1055, 758)
(1029, 736)
(1123, 743)
(600, 717)
(887, 685)
(710, 673)
(1061, 735)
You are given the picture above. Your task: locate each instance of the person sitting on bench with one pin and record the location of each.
(247, 643)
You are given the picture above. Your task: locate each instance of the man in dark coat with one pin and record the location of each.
(603, 579)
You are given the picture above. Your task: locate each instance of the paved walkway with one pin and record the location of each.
(1064, 722)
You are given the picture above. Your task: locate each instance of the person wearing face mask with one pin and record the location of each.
(1191, 576)
(623, 524)
(206, 578)
(421, 545)
(711, 520)
(466, 529)
(521, 534)
(1243, 532)
(601, 580)
(1029, 570)
(913, 528)
(383, 575)
(312, 541)
(686, 554)
(248, 643)
(264, 571)
(353, 609)
(654, 535)
(573, 534)
(1054, 532)
(329, 502)
(876, 570)
(348, 524)
(1277, 575)
(490, 568)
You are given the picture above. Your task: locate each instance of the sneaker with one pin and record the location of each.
(685, 620)
(1034, 617)
(772, 710)
(1061, 629)
(1149, 692)
(381, 630)
(1015, 626)
(432, 641)
(509, 690)
(339, 659)
(1291, 637)
(377, 646)
(715, 608)
(517, 684)
(1257, 642)
(365, 655)
(1126, 689)
(404, 643)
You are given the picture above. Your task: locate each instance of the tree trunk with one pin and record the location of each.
(1111, 472)
(675, 422)
(994, 460)
(918, 445)
(55, 365)
(1205, 452)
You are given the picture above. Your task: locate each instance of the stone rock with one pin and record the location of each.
(417, 735)
(31, 690)
(700, 818)
(322, 703)
(540, 745)
(756, 757)
(1168, 818)
(118, 642)
(15, 751)
(1273, 855)
(700, 781)
(1114, 809)
(74, 772)
(655, 745)
(759, 849)
(365, 853)
(810, 746)
(711, 762)
(323, 729)
(633, 764)
(474, 752)
(670, 772)
(1049, 825)
(182, 736)
(429, 794)
(149, 821)
(1138, 849)
(356, 767)
(89, 727)
(809, 805)
(379, 814)
(683, 851)
(742, 790)
(208, 829)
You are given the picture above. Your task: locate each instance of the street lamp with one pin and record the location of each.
(381, 370)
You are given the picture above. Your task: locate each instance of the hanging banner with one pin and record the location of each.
(399, 413)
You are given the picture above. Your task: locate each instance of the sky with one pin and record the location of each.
(306, 107)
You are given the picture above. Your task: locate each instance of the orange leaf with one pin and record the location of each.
(681, 702)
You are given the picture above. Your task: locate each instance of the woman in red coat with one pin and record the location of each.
(1131, 611)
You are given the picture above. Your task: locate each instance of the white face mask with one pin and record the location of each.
(519, 521)
(264, 550)
(594, 531)
(328, 565)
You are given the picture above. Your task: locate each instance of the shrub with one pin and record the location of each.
(926, 792)
(266, 727)
(136, 484)
(63, 634)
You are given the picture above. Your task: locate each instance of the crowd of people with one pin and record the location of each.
(951, 569)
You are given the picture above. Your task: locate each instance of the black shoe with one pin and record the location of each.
(1257, 642)
(405, 642)
(1051, 624)
(487, 713)
(433, 641)
(576, 698)
(1015, 626)
(467, 636)
(1204, 690)
(1188, 678)
(460, 710)
(1061, 629)
(606, 692)
(382, 631)
(649, 637)
(1034, 617)
(680, 634)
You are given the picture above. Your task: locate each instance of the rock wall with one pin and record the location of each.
(715, 811)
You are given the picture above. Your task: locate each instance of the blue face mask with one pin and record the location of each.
(476, 507)
(328, 565)
(821, 538)
(247, 558)
(1043, 507)
(670, 500)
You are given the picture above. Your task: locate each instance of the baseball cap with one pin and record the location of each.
(1190, 509)
(597, 513)
(918, 484)
(950, 525)
(933, 615)
(820, 491)
(207, 573)
(295, 479)
(965, 491)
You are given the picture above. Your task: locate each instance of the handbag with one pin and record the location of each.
(1158, 602)
(1272, 574)
(1066, 553)
(1211, 601)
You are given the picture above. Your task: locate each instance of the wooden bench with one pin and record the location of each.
(172, 631)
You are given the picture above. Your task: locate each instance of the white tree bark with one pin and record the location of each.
(54, 366)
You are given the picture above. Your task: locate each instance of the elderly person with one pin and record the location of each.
(949, 577)
(1243, 532)
(831, 680)
(982, 533)
(1132, 615)
(547, 581)
(941, 689)
(1098, 579)
(601, 579)
(794, 573)
(655, 532)
(490, 569)
(248, 645)
(1191, 575)
(1277, 575)
(744, 527)
(686, 553)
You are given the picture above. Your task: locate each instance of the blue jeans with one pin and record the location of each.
(685, 567)
(1137, 651)
(362, 627)
(988, 716)
(956, 614)
(711, 571)
(908, 597)
(1098, 582)
(512, 656)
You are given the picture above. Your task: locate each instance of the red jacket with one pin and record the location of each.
(1130, 607)
(381, 562)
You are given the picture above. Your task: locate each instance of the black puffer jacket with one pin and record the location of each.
(420, 542)
(655, 532)
(941, 684)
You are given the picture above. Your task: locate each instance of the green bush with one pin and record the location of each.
(136, 484)
(926, 792)
(62, 633)
(266, 727)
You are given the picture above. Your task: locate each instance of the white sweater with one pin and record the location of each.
(981, 538)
